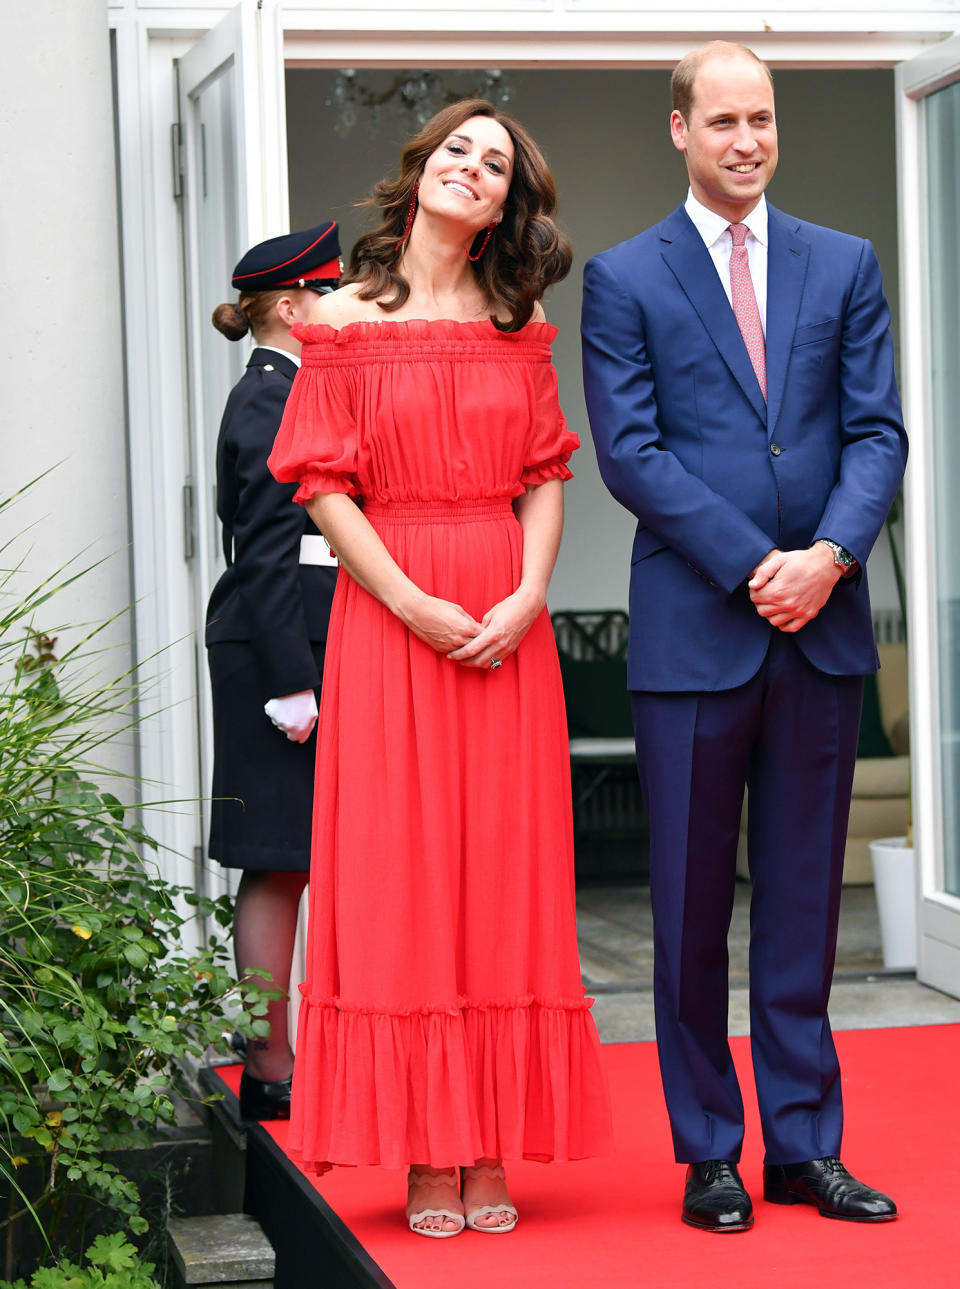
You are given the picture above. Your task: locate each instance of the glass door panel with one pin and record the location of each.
(928, 117)
(212, 122)
(942, 137)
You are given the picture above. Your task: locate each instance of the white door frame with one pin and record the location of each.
(233, 55)
(368, 33)
(149, 43)
(157, 440)
(938, 914)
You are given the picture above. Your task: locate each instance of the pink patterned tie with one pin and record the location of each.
(745, 305)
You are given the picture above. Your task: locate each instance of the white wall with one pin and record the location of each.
(61, 354)
(605, 136)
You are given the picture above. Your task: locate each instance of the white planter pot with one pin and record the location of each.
(894, 878)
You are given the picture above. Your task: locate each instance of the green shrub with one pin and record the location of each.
(114, 1264)
(99, 1001)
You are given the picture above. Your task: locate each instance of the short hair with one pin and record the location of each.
(684, 76)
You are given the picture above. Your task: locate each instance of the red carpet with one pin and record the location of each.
(615, 1223)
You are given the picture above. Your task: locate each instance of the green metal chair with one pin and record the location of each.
(610, 825)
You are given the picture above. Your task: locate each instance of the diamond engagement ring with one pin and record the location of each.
(495, 663)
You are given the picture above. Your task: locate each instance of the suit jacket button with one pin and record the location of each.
(270, 367)
(775, 449)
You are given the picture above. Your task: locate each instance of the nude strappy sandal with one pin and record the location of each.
(496, 1173)
(432, 1179)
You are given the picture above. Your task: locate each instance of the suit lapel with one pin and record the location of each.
(689, 260)
(788, 256)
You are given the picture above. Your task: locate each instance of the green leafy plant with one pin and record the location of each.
(99, 1001)
(113, 1264)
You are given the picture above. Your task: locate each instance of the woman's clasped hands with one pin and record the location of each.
(451, 630)
(442, 625)
(501, 630)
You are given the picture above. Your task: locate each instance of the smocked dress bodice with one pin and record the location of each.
(423, 410)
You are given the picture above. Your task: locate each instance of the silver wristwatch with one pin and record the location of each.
(842, 558)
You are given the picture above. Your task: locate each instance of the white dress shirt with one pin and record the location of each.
(714, 230)
(295, 358)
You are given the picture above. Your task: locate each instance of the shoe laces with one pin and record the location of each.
(831, 1164)
(719, 1170)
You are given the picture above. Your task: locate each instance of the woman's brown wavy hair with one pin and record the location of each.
(526, 254)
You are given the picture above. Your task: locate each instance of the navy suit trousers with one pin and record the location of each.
(789, 734)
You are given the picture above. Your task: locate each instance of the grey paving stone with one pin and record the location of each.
(625, 1018)
(616, 945)
(615, 926)
(879, 1002)
(875, 1003)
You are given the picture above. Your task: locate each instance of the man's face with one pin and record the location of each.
(730, 141)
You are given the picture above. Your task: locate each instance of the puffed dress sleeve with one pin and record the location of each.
(317, 443)
(551, 442)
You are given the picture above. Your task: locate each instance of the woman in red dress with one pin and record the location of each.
(443, 1024)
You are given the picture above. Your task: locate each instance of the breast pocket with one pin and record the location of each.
(813, 333)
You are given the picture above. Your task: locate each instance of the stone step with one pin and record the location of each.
(228, 1250)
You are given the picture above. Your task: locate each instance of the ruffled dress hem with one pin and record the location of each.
(446, 1086)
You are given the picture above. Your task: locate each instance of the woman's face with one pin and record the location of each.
(468, 177)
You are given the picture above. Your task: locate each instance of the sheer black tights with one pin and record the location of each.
(264, 928)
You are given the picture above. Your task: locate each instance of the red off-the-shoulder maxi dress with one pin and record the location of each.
(443, 1016)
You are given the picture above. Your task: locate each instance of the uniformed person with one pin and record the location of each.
(265, 633)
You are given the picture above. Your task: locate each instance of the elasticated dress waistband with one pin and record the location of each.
(471, 511)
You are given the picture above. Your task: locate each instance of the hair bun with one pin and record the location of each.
(230, 321)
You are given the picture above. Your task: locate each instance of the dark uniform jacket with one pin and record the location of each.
(265, 596)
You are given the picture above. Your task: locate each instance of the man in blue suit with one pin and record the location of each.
(738, 369)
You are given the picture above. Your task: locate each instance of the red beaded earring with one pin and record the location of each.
(491, 228)
(410, 215)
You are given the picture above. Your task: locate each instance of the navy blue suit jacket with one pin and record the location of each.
(716, 476)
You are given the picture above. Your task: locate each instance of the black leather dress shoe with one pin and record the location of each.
(715, 1198)
(263, 1100)
(827, 1185)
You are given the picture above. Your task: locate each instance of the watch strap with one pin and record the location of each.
(841, 556)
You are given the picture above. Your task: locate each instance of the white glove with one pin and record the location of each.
(295, 714)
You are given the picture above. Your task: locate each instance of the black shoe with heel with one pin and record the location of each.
(715, 1199)
(260, 1099)
(827, 1185)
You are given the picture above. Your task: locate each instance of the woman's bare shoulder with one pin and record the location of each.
(338, 308)
(537, 315)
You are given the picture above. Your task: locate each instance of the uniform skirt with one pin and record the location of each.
(262, 782)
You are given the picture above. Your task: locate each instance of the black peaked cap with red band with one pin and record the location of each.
(310, 259)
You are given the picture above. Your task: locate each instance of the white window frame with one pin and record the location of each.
(938, 913)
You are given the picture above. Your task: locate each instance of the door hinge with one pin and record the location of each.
(189, 495)
(176, 155)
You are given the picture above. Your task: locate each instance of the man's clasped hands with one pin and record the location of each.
(789, 588)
